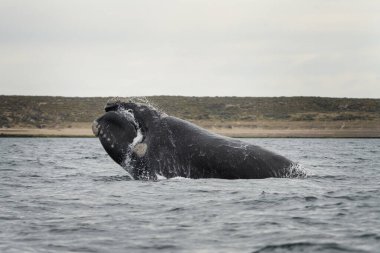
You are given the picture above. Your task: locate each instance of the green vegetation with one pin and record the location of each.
(63, 112)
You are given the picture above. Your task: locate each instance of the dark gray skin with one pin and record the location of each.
(174, 147)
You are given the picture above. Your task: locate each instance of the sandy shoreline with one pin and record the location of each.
(231, 132)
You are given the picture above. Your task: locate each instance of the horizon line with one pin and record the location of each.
(216, 96)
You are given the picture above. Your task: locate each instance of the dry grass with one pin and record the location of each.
(232, 116)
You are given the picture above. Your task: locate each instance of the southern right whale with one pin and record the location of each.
(150, 144)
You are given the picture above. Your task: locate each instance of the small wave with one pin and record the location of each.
(350, 197)
(114, 178)
(79, 174)
(310, 198)
(369, 235)
(159, 247)
(91, 157)
(328, 177)
(63, 167)
(74, 229)
(29, 175)
(9, 218)
(177, 209)
(306, 247)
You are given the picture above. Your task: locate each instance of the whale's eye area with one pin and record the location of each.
(116, 132)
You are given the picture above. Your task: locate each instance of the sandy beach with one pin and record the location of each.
(301, 117)
(243, 132)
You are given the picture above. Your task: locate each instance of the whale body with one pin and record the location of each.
(150, 144)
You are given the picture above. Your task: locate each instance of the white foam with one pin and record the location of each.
(160, 177)
(180, 178)
(295, 171)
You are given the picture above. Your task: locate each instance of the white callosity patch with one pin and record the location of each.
(138, 138)
(140, 149)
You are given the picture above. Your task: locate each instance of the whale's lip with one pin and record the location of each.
(95, 128)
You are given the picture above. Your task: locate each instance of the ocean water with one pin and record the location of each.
(66, 195)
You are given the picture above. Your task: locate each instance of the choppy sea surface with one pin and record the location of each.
(67, 195)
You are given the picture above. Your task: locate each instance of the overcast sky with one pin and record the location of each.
(190, 47)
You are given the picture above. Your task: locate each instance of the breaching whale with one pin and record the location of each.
(150, 144)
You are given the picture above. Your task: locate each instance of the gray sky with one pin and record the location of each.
(190, 47)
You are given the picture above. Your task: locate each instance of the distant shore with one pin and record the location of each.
(231, 132)
(250, 117)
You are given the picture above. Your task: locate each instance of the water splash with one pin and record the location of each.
(138, 100)
(295, 170)
(127, 163)
(129, 114)
(160, 177)
(145, 101)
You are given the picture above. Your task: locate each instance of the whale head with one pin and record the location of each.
(122, 128)
(116, 130)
